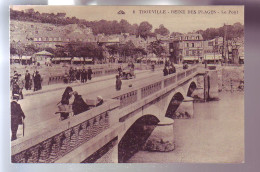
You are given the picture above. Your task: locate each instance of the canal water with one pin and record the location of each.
(214, 135)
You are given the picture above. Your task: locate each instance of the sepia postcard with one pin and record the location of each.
(127, 84)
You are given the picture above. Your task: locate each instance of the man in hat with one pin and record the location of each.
(17, 116)
(27, 80)
(90, 73)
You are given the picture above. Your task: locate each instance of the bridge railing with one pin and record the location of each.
(60, 139)
(143, 90)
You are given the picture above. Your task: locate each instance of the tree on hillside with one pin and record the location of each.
(173, 34)
(144, 29)
(162, 30)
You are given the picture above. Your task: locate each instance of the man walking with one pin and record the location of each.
(90, 73)
(16, 116)
(27, 80)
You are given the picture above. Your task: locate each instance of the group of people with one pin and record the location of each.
(17, 83)
(78, 75)
(71, 97)
(169, 69)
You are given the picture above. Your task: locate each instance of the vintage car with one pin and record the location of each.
(128, 73)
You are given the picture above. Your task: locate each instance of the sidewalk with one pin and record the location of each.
(54, 87)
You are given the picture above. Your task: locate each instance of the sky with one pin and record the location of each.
(191, 19)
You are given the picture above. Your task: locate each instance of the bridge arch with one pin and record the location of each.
(191, 88)
(173, 104)
(135, 137)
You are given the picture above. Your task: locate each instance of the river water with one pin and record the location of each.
(214, 135)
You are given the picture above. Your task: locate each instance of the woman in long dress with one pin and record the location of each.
(65, 100)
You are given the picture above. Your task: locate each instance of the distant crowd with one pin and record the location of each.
(78, 75)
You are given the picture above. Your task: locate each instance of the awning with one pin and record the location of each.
(190, 58)
(78, 59)
(88, 60)
(44, 53)
(15, 57)
(56, 59)
(26, 57)
(65, 58)
(212, 57)
(242, 57)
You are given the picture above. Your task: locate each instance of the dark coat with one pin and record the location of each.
(84, 74)
(89, 73)
(118, 84)
(16, 114)
(165, 72)
(27, 77)
(79, 105)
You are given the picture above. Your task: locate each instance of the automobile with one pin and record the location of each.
(128, 73)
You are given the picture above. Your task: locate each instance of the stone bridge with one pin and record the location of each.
(114, 131)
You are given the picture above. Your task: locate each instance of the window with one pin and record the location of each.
(192, 45)
(54, 39)
(187, 52)
(59, 38)
(210, 44)
(186, 37)
(40, 39)
(187, 44)
(193, 52)
(198, 37)
(50, 39)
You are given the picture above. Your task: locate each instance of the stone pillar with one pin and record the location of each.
(114, 154)
(162, 138)
(213, 81)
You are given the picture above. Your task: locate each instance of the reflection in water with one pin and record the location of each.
(214, 135)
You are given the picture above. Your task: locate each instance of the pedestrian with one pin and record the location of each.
(16, 75)
(17, 116)
(119, 69)
(65, 100)
(20, 83)
(37, 78)
(84, 76)
(118, 83)
(34, 81)
(27, 80)
(15, 88)
(71, 74)
(78, 73)
(165, 71)
(66, 78)
(90, 73)
(185, 66)
(79, 105)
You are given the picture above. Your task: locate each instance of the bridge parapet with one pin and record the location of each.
(63, 137)
(141, 91)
